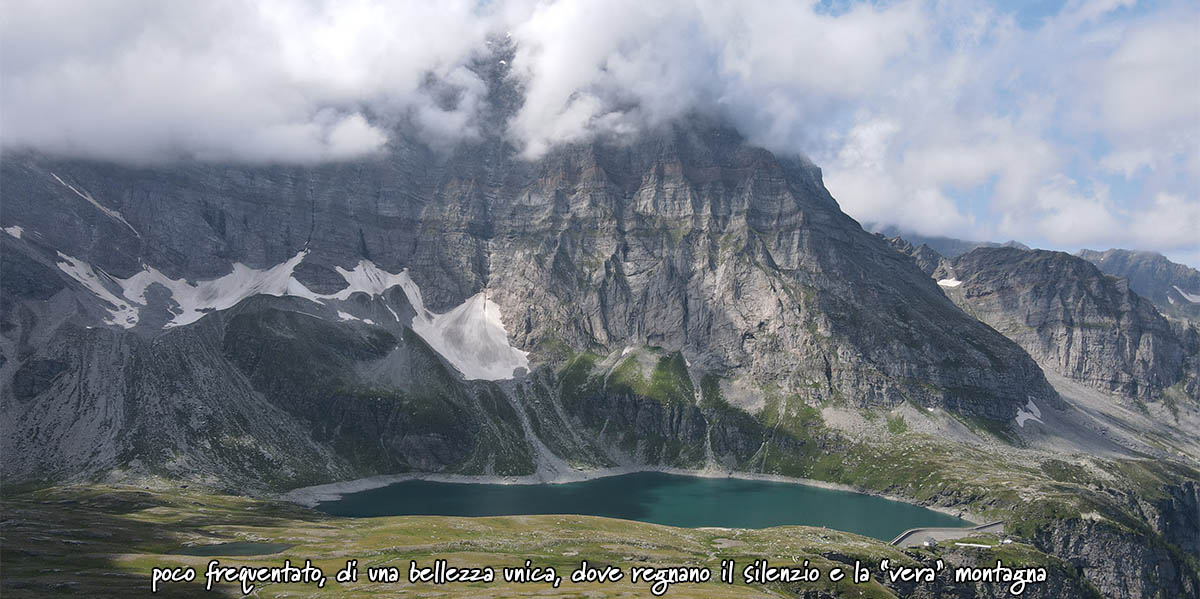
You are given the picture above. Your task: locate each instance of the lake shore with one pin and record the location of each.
(316, 494)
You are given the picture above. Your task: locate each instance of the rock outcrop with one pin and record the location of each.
(948, 247)
(689, 240)
(1074, 320)
(1174, 288)
(1071, 317)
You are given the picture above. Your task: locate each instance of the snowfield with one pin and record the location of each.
(1029, 412)
(1194, 298)
(196, 300)
(121, 313)
(471, 336)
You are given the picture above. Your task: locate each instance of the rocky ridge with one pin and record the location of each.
(1072, 318)
(1174, 288)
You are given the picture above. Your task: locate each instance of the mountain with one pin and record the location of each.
(949, 247)
(1174, 288)
(1072, 318)
(681, 299)
(325, 295)
(929, 260)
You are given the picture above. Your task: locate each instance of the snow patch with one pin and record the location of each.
(196, 300)
(121, 313)
(369, 279)
(106, 210)
(471, 336)
(193, 300)
(14, 230)
(1029, 412)
(949, 282)
(1195, 299)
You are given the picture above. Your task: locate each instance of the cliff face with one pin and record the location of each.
(1073, 319)
(929, 260)
(689, 240)
(1174, 288)
(947, 247)
(1123, 559)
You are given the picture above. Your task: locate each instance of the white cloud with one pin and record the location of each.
(1017, 112)
(266, 81)
(1146, 80)
(600, 68)
(1129, 162)
(942, 117)
(1063, 213)
(1171, 221)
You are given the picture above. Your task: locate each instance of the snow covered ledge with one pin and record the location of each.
(471, 336)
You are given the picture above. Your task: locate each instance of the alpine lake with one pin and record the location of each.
(670, 499)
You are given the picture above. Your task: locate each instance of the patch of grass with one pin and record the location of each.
(896, 425)
(575, 381)
(1039, 514)
(998, 429)
(103, 541)
(791, 415)
(627, 377)
(710, 392)
(668, 383)
(1066, 472)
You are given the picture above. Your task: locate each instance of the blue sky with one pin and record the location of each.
(1059, 124)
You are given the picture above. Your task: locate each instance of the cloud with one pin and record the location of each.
(953, 118)
(222, 80)
(1062, 212)
(1171, 221)
(603, 68)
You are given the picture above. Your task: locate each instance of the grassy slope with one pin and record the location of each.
(103, 541)
(1029, 490)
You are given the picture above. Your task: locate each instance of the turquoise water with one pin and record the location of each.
(670, 499)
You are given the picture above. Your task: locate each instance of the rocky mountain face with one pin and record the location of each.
(1091, 327)
(1072, 318)
(949, 247)
(929, 260)
(1174, 288)
(209, 293)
